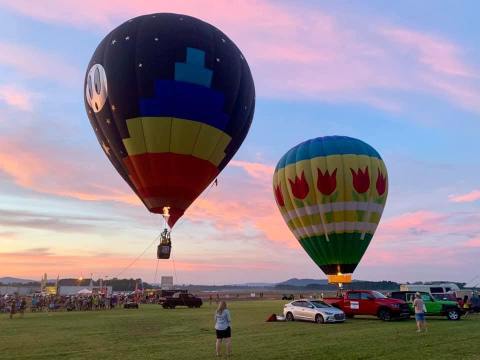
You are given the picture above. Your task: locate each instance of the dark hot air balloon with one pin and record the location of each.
(171, 99)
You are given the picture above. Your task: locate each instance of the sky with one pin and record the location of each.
(404, 77)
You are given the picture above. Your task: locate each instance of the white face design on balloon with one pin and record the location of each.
(96, 90)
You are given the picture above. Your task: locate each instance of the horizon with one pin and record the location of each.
(248, 284)
(405, 83)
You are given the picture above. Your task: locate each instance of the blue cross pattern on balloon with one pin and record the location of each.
(189, 96)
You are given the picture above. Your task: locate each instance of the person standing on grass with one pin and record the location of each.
(222, 327)
(13, 307)
(23, 306)
(419, 307)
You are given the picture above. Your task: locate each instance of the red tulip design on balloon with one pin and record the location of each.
(381, 183)
(279, 195)
(299, 186)
(361, 180)
(327, 183)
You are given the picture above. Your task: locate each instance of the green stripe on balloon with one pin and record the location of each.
(349, 245)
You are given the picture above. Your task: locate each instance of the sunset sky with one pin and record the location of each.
(402, 76)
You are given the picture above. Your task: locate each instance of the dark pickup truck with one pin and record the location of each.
(181, 299)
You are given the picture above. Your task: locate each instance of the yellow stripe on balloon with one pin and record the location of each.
(178, 136)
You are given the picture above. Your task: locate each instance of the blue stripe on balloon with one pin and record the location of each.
(325, 146)
(186, 101)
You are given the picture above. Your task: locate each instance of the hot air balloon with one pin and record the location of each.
(331, 192)
(171, 99)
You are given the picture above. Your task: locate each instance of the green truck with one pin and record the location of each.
(434, 307)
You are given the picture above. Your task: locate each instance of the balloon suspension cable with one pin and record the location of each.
(174, 270)
(137, 258)
(156, 272)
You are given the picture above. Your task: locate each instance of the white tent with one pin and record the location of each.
(84, 292)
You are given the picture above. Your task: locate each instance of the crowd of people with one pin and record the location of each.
(38, 303)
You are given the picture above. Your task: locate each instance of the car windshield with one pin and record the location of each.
(378, 295)
(320, 304)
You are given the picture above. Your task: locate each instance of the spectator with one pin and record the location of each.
(419, 306)
(223, 329)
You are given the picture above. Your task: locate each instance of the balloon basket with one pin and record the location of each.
(163, 251)
(340, 279)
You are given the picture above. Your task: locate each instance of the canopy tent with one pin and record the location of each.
(84, 292)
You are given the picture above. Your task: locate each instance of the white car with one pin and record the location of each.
(312, 310)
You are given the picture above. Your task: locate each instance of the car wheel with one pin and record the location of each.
(319, 319)
(349, 316)
(453, 314)
(289, 317)
(384, 315)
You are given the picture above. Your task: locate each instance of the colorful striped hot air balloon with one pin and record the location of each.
(331, 192)
(171, 99)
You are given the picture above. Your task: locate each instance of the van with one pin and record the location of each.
(434, 289)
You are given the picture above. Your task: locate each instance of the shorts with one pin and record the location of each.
(224, 334)
(420, 317)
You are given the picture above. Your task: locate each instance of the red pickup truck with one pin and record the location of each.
(366, 302)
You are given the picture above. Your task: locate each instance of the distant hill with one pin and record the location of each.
(303, 282)
(11, 280)
(255, 284)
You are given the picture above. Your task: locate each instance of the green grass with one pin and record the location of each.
(183, 334)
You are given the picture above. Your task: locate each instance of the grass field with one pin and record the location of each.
(155, 333)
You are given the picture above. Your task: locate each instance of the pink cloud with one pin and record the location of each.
(251, 205)
(469, 197)
(436, 53)
(420, 221)
(45, 168)
(438, 66)
(419, 256)
(319, 56)
(15, 97)
(254, 169)
(32, 62)
(473, 243)
(8, 235)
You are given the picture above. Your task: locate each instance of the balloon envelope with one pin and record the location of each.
(171, 99)
(331, 192)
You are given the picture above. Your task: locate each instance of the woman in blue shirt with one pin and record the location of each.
(222, 327)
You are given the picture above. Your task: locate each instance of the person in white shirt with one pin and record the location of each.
(420, 310)
(222, 327)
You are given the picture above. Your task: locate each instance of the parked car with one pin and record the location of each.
(130, 305)
(312, 310)
(181, 299)
(366, 302)
(288, 297)
(447, 308)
